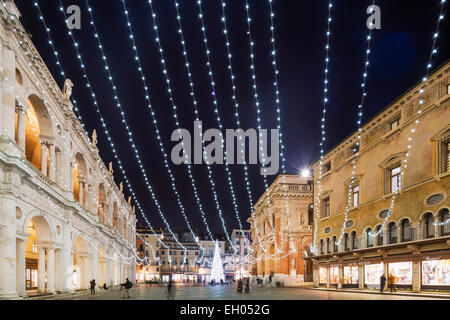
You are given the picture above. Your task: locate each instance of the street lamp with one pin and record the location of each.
(305, 173)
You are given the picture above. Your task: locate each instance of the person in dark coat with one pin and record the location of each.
(382, 282)
(92, 283)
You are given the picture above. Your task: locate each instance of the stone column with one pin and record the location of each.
(385, 236)
(66, 262)
(52, 169)
(361, 277)
(81, 191)
(20, 267)
(50, 270)
(110, 279)
(416, 276)
(7, 248)
(341, 277)
(41, 270)
(315, 277)
(328, 277)
(44, 158)
(86, 272)
(121, 271)
(94, 268)
(437, 227)
(20, 127)
(8, 98)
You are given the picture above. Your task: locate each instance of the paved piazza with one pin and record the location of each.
(228, 293)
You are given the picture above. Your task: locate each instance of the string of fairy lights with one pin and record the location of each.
(258, 118)
(357, 148)
(218, 118)
(130, 134)
(216, 110)
(323, 122)
(93, 96)
(237, 117)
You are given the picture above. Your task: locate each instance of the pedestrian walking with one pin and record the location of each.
(239, 286)
(247, 286)
(392, 281)
(92, 284)
(170, 290)
(382, 282)
(126, 286)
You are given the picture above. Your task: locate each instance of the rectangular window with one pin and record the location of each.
(327, 167)
(443, 156)
(436, 273)
(323, 275)
(394, 124)
(402, 271)
(396, 179)
(325, 207)
(355, 195)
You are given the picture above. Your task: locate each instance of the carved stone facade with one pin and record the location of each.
(287, 266)
(411, 243)
(63, 220)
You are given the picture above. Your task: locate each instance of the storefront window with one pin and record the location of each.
(334, 275)
(402, 272)
(323, 275)
(436, 273)
(373, 273)
(351, 275)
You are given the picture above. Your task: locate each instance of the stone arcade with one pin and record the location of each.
(63, 221)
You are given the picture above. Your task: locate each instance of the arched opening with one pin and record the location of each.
(81, 264)
(116, 269)
(380, 240)
(392, 231)
(428, 220)
(406, 230)
(328, 245)
(355, 244)
(444, 219)
(38, 126)
(322, 247)
(101, 203)
(346, 240)
(369, 238)
(39, 257)
(335, 246)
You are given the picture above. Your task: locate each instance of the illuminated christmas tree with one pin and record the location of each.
(217, 268)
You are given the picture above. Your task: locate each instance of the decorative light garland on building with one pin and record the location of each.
(429, 65)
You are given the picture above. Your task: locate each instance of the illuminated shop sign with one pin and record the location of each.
(323, 275)
(351, 275)
(373, 273)
(402, 271)
(436, 273)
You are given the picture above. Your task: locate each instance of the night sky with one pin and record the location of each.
(399, 55)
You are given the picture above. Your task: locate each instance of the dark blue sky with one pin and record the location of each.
(400, 53)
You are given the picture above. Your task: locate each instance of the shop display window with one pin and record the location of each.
(351, 275)
(373, 273)
(334, 275)
(323, 275)
(402, 272)
(436, 273)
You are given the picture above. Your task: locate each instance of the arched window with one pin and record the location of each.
(321, 247)
(328, 245)
(392, 229)
(380, 240)
(429, 225)
(444, 218)
(406, 231)
(369, 238)
(346, 242)
(335, 246)
(354, 241)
